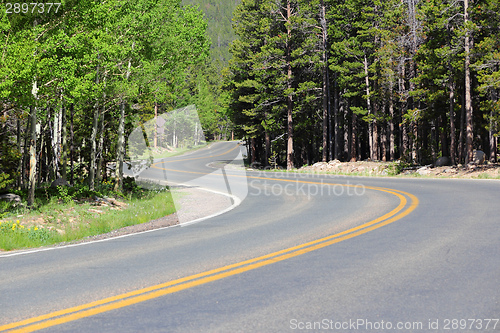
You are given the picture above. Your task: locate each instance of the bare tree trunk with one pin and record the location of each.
(468, 98)
(392, 151)
(27, 137)
(383, 139)
(268, 147)
(32, 153)
(64, 139)
(100, 148)
(368, 105)
(453, 144)
(93, 136)
(443, 135)
(20, 167)
(155, 140)
(336, 119)
(93, 147)
(403, 127)
(253, 151)
(461, 139)
(72, 147)
(121, 138)
(376, 148)
(120, 149)
(289, 153)
(326, 87)
(56, 143)
(491, 132)
(354, 133)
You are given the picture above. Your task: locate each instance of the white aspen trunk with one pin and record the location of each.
(121, 138)
(32, 149)
(155, 140)
(64, 139)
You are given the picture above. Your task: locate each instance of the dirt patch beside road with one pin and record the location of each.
(370, 168)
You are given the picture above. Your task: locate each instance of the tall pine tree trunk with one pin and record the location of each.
(392, 152)
(468, 97)
(461, 139)
(371, 145)
(336, 120)
(453, 144)
(289, 153)
(491, 131)
(326, 87)
(354, 134)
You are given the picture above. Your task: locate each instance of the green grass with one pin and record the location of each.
(65, 222)
(138, 211)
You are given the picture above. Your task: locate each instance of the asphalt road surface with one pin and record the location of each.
(297, 253)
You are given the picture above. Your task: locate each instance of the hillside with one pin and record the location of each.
(218, 14)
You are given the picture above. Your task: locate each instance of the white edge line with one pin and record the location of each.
(237, 202)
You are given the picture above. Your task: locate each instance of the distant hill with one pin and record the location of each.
(219, 14)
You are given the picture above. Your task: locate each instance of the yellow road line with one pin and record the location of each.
(134, 297)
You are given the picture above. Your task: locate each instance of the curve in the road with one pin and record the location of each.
(408, 202)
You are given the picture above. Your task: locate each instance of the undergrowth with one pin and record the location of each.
(71, 213)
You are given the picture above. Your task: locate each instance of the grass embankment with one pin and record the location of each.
(66, 214)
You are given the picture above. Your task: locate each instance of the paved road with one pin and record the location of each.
(299, 253)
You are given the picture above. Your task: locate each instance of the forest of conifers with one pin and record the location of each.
(307, 81)
(314, 80)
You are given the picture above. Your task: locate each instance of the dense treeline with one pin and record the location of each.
(351, 79)
(75, 82)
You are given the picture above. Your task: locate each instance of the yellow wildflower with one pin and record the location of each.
(36, 228)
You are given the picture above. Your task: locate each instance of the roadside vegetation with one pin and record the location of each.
(65, 214)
